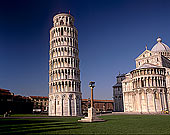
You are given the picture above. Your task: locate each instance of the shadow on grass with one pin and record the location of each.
(13, 121)
(23, 127)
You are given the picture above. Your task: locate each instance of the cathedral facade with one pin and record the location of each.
(64, 72)
(146, 89)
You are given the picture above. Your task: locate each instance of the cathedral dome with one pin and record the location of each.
(160, 47)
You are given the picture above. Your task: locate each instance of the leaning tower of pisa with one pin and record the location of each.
(64, 72)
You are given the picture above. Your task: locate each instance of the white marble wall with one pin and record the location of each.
(64, 72)
(145, 101)
(67, 104)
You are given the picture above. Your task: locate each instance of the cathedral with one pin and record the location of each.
(146, 89)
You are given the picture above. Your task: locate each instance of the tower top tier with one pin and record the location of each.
(63, 19)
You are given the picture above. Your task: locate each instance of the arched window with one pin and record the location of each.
(62, 31)
(68, 61)
(71, 41)
(69, 84)
(61, 22)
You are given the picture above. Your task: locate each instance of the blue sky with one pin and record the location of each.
(112, 33)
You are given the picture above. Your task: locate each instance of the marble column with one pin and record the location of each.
(62, 109)
(147, 101)
(69, 113)
(75, 103)
(165, 101)
(80, 106)
(138, 102)
(161, 99)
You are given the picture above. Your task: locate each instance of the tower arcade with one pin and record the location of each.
(64, 72)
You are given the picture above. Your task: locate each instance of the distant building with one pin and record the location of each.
(21, 104)
(40, 104)
(6, 95)
(6, 99)
(14, 103)
(117, 94)
(99, 105)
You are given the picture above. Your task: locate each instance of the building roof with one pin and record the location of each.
(148, 65)
(120, 75)
(5, 92)
(160, 46)
(98, 100)
(117, 85)
(38, 97)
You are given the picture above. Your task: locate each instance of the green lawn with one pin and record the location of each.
(115, 124)
(27, 115)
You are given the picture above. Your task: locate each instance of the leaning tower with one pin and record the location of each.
(64, 72)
